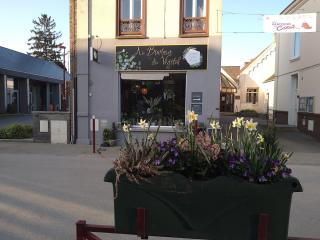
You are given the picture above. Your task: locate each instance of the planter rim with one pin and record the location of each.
(291, 181)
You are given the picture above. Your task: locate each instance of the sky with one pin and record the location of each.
(17, 15)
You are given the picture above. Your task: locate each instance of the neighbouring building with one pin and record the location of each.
(229, 88)
(153, 59)
(256, 82)
(29, 84)
(297, 90)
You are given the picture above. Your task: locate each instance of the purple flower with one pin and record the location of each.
(262, 179)
(242, 158)
(157, 162)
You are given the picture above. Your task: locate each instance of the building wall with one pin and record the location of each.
(254, 75)
(98, 83)
(2, 95)
(307, 67)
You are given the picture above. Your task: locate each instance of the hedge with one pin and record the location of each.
(16, 131)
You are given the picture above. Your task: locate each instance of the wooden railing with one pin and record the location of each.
(130, 27)
(86, 231)
(195, 25)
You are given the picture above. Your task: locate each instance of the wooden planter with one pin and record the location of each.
(224, 208)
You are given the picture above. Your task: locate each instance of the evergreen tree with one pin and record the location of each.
(43, 42)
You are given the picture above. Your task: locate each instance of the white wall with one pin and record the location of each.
(254, 75)
(307, 66)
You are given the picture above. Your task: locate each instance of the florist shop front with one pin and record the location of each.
(159, 83)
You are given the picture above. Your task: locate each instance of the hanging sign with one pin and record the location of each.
(161, 57)
(290, 23)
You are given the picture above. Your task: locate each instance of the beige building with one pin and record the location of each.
(256, 82)
(153, 59)
(297, 90)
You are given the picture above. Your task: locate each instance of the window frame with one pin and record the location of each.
(204, 33)
(251, 92)
(305, 106)
(296, 45)
(142, 33)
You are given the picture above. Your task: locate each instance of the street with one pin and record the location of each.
(45, 189)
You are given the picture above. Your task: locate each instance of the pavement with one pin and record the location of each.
(9, 119)
(45, 189)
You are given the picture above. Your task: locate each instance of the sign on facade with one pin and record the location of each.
(161, 57)
(290, 23)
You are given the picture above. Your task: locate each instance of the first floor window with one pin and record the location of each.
(306, 104)
(131, 17)
(252, 95)
(194, 16)
(296, 45)
(161, 102)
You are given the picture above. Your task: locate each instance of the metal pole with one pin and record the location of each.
(93, 134)
(267, 109)
(64, 80)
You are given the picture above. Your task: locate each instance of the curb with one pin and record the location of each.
(25, 140)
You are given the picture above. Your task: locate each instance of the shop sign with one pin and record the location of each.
(290, 23)
(161, 57)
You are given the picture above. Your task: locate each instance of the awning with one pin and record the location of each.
(144, 76)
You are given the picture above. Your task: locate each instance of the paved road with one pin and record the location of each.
(9, 120)
(45, 188)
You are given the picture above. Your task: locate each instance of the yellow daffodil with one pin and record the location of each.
(215, 125)
(125, 128)
(192, 116)
(260, 139)
(143, 124)
(250, 125)
(238, 122)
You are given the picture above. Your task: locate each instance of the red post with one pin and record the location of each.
(141, 223)
(93, 134)
(81, 230)
(263, 226)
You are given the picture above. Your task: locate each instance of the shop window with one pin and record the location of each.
(306, 104)
(131, 18)
(252, 95)
(161, 102)
(296, 45)
(194, 18)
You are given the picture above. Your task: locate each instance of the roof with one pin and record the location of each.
(293, 6)
(271, 45)
(22, 65)
(227, 81)
(233, 71)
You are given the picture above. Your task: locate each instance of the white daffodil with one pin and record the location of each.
(215, 125)
(143, 124)
(192, 116)
(125, 128)
(151, 137)
(260, 139)
(250, 125)
(238, 122)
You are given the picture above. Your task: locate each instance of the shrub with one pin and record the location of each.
(247, 113)
(16, 131)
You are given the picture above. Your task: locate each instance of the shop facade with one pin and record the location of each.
(144, 59)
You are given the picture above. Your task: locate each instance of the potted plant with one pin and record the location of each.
(109, 136)
(198, 185)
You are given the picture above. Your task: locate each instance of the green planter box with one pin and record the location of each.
(224, 208)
